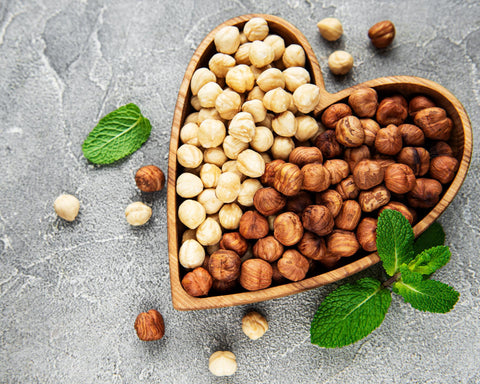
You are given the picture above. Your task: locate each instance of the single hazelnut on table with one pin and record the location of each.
(328, 144)
(382, 34)
(349, 131)
(67, 207)
(288, 179)
(253, 225)
(417, 158)
(354, 155)
(235, 242)
(367, 234)
(224, 265)
(440, 148)
(374, 198)
(330, 199)
(138, 213)
(149, 325)
(312, 246)
(299, 202)
(342, 243)
(391, 111)
(150, 179)
(330, 28)
(191, 254)
(399, 178)
(338, 170)
(371, 128)
(389, 140)
(409, 214)
(254, 325)
(443, 168)
(222, 363)
(349, 216)
(305, 155)
(411, 135)
(367, 174)
(255, 274)
(318, 219)
(426, 193)
(347, 188)
(364, 102)
(316, 177)
(418, 103)
(334, 113)
(434, 123)
(268, 201)
(198, 282)
(268, 249)
(293, 265)
(270, 171)
(340, 62)
(287, 228)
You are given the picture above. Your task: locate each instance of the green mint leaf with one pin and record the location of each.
(350, 313)
(425, 295)
(430, 260)
(394, 240)
(118, 134)
(432, 237)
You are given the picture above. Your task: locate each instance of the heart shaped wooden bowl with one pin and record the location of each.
(461, 142)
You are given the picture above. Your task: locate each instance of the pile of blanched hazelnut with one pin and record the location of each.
(268, 192)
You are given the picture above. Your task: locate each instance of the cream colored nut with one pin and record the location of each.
(208, 113)
(261, 54)
(263, 139)
(255, 94)
(213, 248)
(231, 166)
(209, 200)
(258, 71)
(208, 94)
(138, 213)
(230, 215)
(233, 147)
(228, 187)
(282, 146)
(209, 174)
(227, 40)
(192, 118)
(266, 157)
(256, 29)
(222, 363)
(268, 120)
(306, 97)
(67, 207)
(191, 213)
(247, 190)
(285, 124)
(228, 104)
(295, 77)
(191, 254)
(307, 127)
(340, 62)
(243, 38)
(294, 56)
(240, 78)
(189, 156)
(278, 45)
(220, 64)
(292, 107)
(195, 102)
(211, 133)
(201, 77)
(215, 217)
(330, 28)
(189, 185)
(215, 156)
(256, 109)
(277, 100)
(270, 79)
(254, 325)
(242, 127)
(209, 232)
(242, 56)
(251, 163)
(189, 234)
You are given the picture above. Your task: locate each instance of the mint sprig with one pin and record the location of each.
(354, 310)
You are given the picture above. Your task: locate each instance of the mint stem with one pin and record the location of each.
(392, 280)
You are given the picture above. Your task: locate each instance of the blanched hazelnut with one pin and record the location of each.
(349, 216)
(198, 282)
(189, 156)
(240, 78)
(443, 168)
(228, 104)
(256, 109)
(224, 265)
(192, 118)
(209, 175)
(214, 156)
(208, 94)
(318, 219)
(293, 265)
(189, 185)
(340, 62)
(191, 213)
(189, 134)
(316, 178)
(349, 131)
(277, 100)
(295, 77)
(222, 363)
(209, 200)
(305, 155)
(306, 97)
(411, 135)
(307, 128)
(191, 254)
(263, 139)
(137, 213)
(242, 127)
(67, 207)
(288, 179)
(227, 40)
(367, 174)
(232, 147)
(330, 28)
(399, 178)
(282, 147)
(364, 102)
(242, 56)
(250, 163)
(312, 246)
(268, 201)
(285, 124)
(234, 242)
(382, 34)
(201, 77)
(330, 199)
(195, 103)
(211, 133)
(389, 140)
(287, 228)
(270, 79)
(268, 249)
(261, 54)
(228, 187)
(328, 144)
(409, 214)
(256, 94)
(342, 243)
(417, 158)
(391, 111)
(278, 45)
(256, 29)
(434, 123)
(425, 194)
(253, 225)
(418, 103)
(208, 113)
(220, 64)
(247, 191)
(230, 215)
(254, 325)
(374, 198)
(255, 274)
(367, 234)
(347, 188)
(294, 56)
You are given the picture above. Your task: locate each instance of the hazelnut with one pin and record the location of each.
(399, 178)
(149, 325)
(370, 128)
(224, 265)
(338, 170)
(316, 177)
(235, 242)
(150, 179)
(307, 128)
(230, 215)
(251, 163)
(293, 265)
(191, 254)
(426, 193)
(260, 54)
(270, 79)
(220, 64)
(228, 104)
(227, 40)
(318, 219)
(188, 134)
(256, 109)
(247, 191)
(305, 155)
(443, 168)
(228, 187)
(390, 111)
(242, 127)
(268, 201)
(256, 29)
(330, 28)
(278, 45)
(340, 62)
(277, 100)
(334, 113)
(409, 214)
(383, 160)
(254, 325)
(208, 94)
(306, 97)
(348, 189)
(294, 56)
(299, 202)
(232, 147)
(277, 277)
(255, 274)
(282, 147)
(201, 77)
(222, 363)
(209, 174)
(270, 171)
(312, 246)
(367, 174)
(268, 249)
(211, 133)
(208, 199)
(331, 199)
(215, 156)
(67, 207)
(367, 234)
(434, 123)
(411, 135)
(349, 216)
(138, 213)
(354, 155)
(440, 148)
(389, 140)
(418, 103)
(242, 56)
(284, 124)
(263, 139)
(189, 156)
(342, 243)
(417, 158)
(364, 102)
(255, 94)
(253, 225)
(209, 232)
(373, 199)
(288, 179)
(349, 131)
(382, 34)
(240, 78)
(295, 77)
(198, 282)
(328, 144)
(287, 228)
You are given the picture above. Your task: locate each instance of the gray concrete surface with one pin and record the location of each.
(69, 293)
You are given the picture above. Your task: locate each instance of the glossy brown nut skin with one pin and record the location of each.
(399, 178)
(364, 102)
(255, 274)
(293, 265)
(348, 189)
(440, 148)
(288, 179)
(312, 246)
(198, 282)
(426, 193)
(328, 144)
(235, 242)
(268, 249)
(417, 158)
(411, 135)
(374, 199)
(354, 155)
(391, 111)
(330, 199)
(150, 179)
(334, 113)
(443, 168)
(349, 216)
(318, 219)
(409, 214)
(224, 265)
(349, 132)
(368, 174)
(367, 235)
(434, 123)
(382, 34)
(268, 201)
(316, 177)
(299, 202)
(287, 228)
(370, 128)
(389, 140)
(270, 170)
(305, 155)
(338, 170)
(253, 225)
(342, 243)
(418, 103)
(149, 325)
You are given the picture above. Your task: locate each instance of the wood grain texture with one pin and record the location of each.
(461, 142)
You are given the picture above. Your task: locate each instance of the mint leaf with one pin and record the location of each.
(425, 295)
(432, 237)
(350, 313)
(394, 240)
(118, 134)
(430, 260)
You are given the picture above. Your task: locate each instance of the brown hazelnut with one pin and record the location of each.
(305, 155)
(411, 135)
(349, 132)
(271, 169)
(391, 111)
(367, 174)
(349, 216)
(293, 265)
(364, 102)
(198, 282)
(268, 201)
(440, 148)
(338, 170)
(299, 202)
(409, 214)
(268, 249)
(434, 123)
(426, 193)
(417, 158)
(255, 274)
(443, 168)
(277, 277)
(316, 177)
(224, 265)
(334, 113)
(354, 155)
(312, 246)
(367, 234)
(224, 286)
(389, 140)
(348, 189)
(370, 128)
(287, 228)
(328, 144)
(288, 179)
(418, 103)
(150, 179)
(149, 325)
(373, 199)
(318, 219)
(253, 225)
(342, 243)
(234, 242)
(399, 178)
(331, 199)
(382, 34)
(383, 160)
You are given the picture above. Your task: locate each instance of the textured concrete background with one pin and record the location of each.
(70, 292)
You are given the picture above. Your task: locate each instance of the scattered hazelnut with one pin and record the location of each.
(349, 131)
(191, 254)
(367, 174)
(434, 123)
(328, 144)
(224, 265)
(330, 28)
(364, 101)
(67, 207)
(299, 202)
(409, 214)
(253, 225)
(255, 274)
(399, 178)
(411, 135)
(287, 228)
(367, 234)
(443, 168)
(389, 140)
(268, 201)
(418, 103)
(370, 128)
(305, 155)
(268, 249)
(198, 282)
(235, 242)
(331, 199)
(382, 34)
(222, 363)
(342, 243)
(150, 179)
(138, 213)
(373, 199)
(349, 216)
(293, 265)
(318, 219)
(149, 325)
(316, 177)
(390, 111)
(312, 246)
(334, 113)
(417, 158)
(340, 62)
(347, 188)
(254, 325)
(288, 179)
(426, 193)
